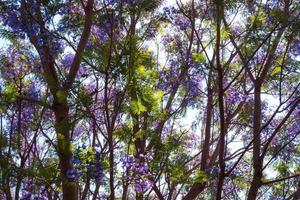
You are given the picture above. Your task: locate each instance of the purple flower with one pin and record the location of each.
(133, 168)
(73, 173)
(67, 60)
(32, 191)
(138, 188)
(75, 160)
(167, 39)
(56, 48)
(100, 33)
(25, 195)
(40, 42)
(33, 92)
(167, 10)
(182, 22)
(130, 2)
(138, 171)
(295, 47)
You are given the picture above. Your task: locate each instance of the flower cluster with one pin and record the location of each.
(20, 19)
(137, 172)
(33, 191)
(295, 48)
(130, 2)
(15, 65)
(167, 39)
(12, 16)
(101, 34)
(182, 22)
(235, 96)
(111, 26)
(168, 12)
(86, 160)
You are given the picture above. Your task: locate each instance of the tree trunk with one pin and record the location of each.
(219, 15)
(62, 127)
(257, 161)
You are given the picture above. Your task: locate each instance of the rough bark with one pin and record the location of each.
(257, 161)
(220, 71)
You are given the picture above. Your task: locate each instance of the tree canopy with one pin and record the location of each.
(140, 99)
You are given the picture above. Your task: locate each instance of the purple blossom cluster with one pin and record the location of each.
(293, 129)
(242, 168)
(130, 2)
(295, 47)
(109, 27)
(14, 64)
(74, 173)
(137, 172)
(194, 83)
(31, 191)
(167, 39)
(168, 12)
(272, 4)
(66, 63)
(86, 161)
(179, 21)
(71, 8)
(27, 117)
(33, 91)
(20, 19)
(100, 34)
(168, 78)
(213, 171)
(235, 96)
(182, 22)
(229, 187)
(11, 17)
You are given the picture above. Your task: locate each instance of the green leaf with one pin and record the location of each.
(264, 180)
(201, 177)
(276, 70)
(141, 71)
(158, 95)
(259, 19)
(138, 134)
(198, 57)
(145, 54)
(282, 168)
(11, 92)
(234, 65)
(177, 173)
(23, 57)
(225, 34)
(137, 107)
(105, 163)
(240, 182)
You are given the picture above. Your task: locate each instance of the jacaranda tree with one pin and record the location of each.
(140, 99)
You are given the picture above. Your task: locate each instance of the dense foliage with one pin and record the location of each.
(140, 99)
